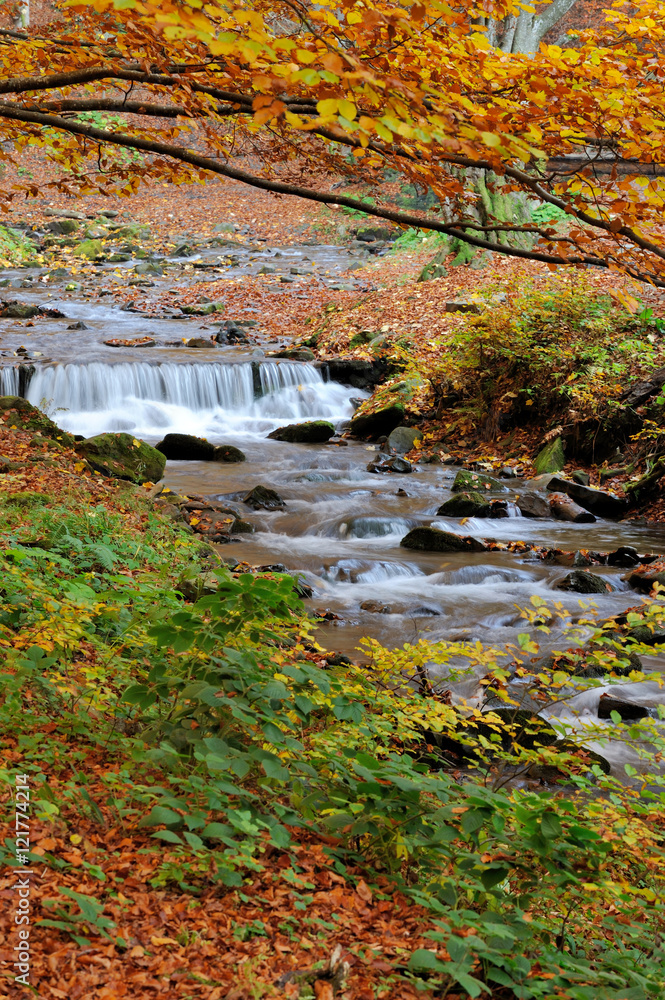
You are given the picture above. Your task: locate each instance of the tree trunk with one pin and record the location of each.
(523, 33)
(22, 19)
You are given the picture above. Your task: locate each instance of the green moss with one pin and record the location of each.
(123, 456)
(19, 413)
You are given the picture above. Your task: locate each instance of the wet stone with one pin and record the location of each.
(585, 583)
(263, 498)
(533, 505)
(433, 540)
(628, 712)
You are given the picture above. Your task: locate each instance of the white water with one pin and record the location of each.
(9, 381)
(206, 399)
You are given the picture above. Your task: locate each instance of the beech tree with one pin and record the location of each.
(350, 89)
(524, 31)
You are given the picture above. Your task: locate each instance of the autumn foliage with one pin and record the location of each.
(350, 91)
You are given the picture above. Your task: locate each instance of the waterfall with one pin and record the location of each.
(197, 386)
(9, 381)
(207, 399)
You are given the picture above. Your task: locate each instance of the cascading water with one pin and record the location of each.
(204, 399)
(9, 381)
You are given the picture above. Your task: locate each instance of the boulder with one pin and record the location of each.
(186, 448)
(625, 555)
(599, 502)
(18, 412)
(646, 636)
(311, 432)
(467, 481)
(550, 458)
(95, 232)
(122, 456)
(433, 540)
(242, 527)
(533, 505)
(581, 582)
(565, 509)
(228, 453)
(149, 267)
(382, 421)
(645, 578)
(368, 234)
(294, 354)
(200, 342)
(628, 712)
(356, 372)
(62, 227)
(18, 310)
(465, 505)
(402, 439)
(89, 249)
(581, 477)
(263, 498)
(399, 465)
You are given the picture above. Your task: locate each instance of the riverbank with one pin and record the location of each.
(215, 806)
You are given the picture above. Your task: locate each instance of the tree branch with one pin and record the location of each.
(324, 197)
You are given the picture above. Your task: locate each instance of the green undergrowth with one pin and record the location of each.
(231, 738)
(536, 351)
(15, 248)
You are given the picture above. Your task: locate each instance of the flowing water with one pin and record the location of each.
(341, 527)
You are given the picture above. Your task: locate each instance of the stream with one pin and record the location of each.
(342, 526)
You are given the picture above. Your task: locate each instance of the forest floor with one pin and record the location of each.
(130, 916)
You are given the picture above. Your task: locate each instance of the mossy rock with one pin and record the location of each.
(122, 456)
(311, 432)
(294, 354)
(467, 481)
(580, 582)
(89, 249)
(465, 505)
(242, 527)
(18, 412)
(550, 458)
(228, 453)
(433, 540)
(186, 448)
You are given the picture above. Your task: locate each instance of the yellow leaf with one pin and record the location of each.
(305, 56)
(347, 109)
(76, 838)
(353, 17)
(327, 107)
(162, 940)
